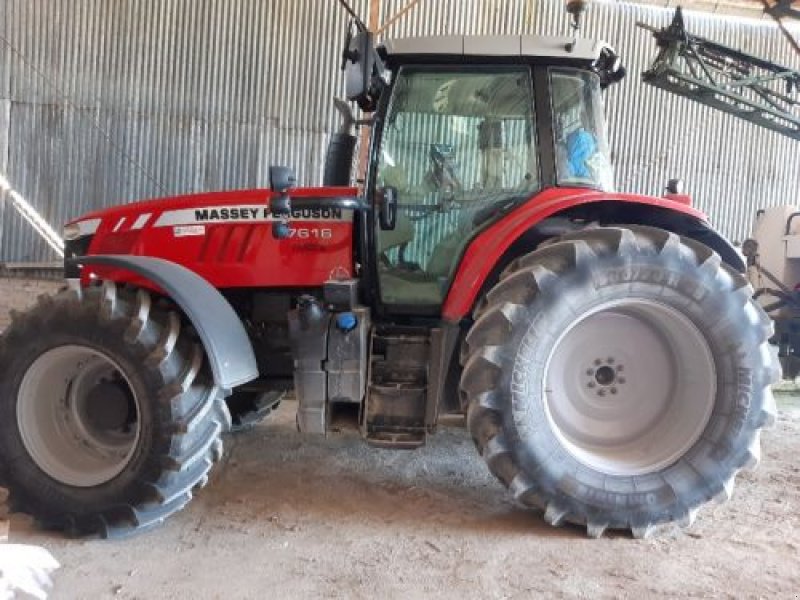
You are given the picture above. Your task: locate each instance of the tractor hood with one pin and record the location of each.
(227, 237)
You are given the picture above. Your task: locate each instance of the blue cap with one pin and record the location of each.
(346, 321)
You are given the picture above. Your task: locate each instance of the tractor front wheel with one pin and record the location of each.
(619, 378)
(109, 417)
(248, 408)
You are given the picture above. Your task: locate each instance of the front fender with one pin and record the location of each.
(224, 338)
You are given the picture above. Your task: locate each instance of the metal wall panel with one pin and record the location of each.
(115, 101)
(106, 102)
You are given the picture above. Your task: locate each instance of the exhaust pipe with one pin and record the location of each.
(341, 148)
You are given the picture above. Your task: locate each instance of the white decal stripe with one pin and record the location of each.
(141, 221)
(246, 213)
(119, 224)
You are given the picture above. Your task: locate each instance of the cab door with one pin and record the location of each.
(458, 147)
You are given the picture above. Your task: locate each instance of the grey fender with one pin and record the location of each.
(224, 338)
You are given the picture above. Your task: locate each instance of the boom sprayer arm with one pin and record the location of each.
(724, 78)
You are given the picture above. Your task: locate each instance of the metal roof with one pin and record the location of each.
(497, 45)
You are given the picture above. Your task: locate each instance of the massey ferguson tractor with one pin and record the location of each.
(605, 348)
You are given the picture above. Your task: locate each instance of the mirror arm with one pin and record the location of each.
(282, 180)
(355, 203)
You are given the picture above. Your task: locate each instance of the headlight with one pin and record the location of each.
(72, 232)
(79, 229)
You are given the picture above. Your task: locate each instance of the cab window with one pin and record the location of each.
(457, 147)
(582, 156)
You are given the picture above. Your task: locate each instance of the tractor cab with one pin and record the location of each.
(467, 128)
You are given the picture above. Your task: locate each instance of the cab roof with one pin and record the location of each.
(529, 46)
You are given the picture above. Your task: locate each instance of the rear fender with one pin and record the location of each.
(555, 212)
(730, 254)
(220, 329)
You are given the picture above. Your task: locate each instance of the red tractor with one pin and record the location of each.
(605, 348)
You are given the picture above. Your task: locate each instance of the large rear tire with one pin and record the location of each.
(109, 417)
(619, 378)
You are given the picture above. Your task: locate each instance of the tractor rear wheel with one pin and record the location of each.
(109, 417)
(619, 378)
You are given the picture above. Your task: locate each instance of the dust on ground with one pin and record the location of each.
(294, 516)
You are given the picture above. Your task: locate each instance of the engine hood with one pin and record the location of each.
(226, 237)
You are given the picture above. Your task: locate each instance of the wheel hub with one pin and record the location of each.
(107, 406)
(606, 378)
(78, 416)
(630, 386)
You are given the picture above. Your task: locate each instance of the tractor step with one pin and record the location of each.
(395, 413)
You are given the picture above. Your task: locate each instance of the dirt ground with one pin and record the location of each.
(288, 516)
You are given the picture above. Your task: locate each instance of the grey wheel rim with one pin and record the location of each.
(78, 416)
(630, 387)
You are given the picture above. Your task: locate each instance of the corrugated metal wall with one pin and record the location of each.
(106, 102)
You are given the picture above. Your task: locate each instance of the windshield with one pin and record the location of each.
(458, 146)
(582, 156)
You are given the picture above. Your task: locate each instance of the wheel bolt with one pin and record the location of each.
(592, 384)
(621, 380)
(614, 390)
(601, 393)
(610, 360)
(598, 362)
(590, 372)
(620, 368)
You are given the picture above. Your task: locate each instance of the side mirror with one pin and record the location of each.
(281, 180)
(609, 68)
(359, 66)
(387, 212)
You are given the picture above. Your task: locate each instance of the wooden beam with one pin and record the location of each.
(400, 14)
(374, 14)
